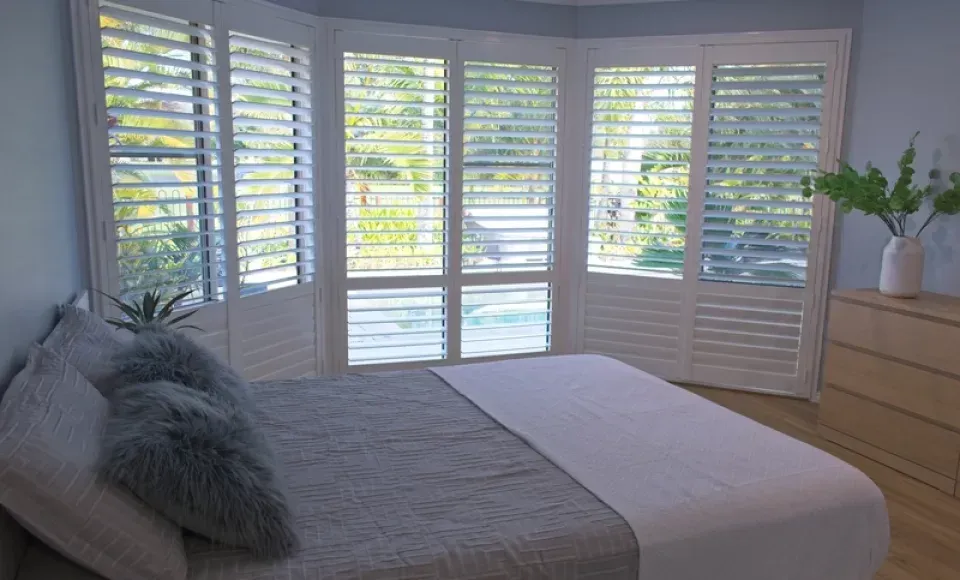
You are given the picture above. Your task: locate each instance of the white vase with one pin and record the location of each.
(901, 272)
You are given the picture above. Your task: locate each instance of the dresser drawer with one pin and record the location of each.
(910, 438)
(917, 340)
(924, 393)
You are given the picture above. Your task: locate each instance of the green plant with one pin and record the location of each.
(144, 312)
(870, 192)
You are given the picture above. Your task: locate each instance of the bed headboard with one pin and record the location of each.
(13, 542)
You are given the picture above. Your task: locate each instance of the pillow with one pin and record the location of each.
(87, 343)
(160, 353)
(201, 463)
(51, 420)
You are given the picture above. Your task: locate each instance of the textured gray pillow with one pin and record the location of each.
(51, 420)
(159, 353)
(88, 343)
(200, 462)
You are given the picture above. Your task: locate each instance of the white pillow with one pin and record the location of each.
(51, 421)
(87, 343)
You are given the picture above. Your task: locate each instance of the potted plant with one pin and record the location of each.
(148, 311)
(901, 270)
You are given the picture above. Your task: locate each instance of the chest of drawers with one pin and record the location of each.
(892, 382)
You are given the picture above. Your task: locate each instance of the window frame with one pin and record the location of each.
(453, 279)
(569, 272)
(718, 49)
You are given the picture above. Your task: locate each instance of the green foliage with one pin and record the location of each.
(870, 192)
(145, 312)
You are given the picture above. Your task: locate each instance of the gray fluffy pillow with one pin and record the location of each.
(199, 462)
(159, 353)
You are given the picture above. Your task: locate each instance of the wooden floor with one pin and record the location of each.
(924, 522)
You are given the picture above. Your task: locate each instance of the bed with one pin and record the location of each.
(563, 467)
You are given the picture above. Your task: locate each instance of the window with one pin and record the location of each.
(233, 225)
(447, 262)
(700, 242)
(396, 116)
(640, 169)
(273, 157)
(396, 325)
(397, 146)
(163, 103)
(506, 319)
(163, 106)
(482, 202)
(764, 137)
(509, 167)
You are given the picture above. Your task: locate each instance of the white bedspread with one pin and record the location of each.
(710, 495)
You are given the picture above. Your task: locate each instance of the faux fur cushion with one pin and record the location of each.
(159, 353)
(201, 463)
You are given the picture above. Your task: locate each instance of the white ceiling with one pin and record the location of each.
(597, 2)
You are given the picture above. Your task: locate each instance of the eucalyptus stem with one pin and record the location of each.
(889, 223)
(926, 223)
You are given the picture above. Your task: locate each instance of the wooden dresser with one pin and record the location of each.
(892, 382)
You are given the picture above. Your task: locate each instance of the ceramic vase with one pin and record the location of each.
(901, 272)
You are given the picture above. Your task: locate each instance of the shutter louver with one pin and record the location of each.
(273, 160)
(161, 97)
(505, 319)
(396, 325)
(639, 169)
(509, 167)
(397, 155)
(764, 137)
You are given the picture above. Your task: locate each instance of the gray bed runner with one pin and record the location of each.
(397, 476)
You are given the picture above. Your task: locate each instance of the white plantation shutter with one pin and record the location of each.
(275, 320)
(509, 167)
(511, 126)
(700, 260)
(764, 137)
(162, 106)
(396, 325)
(397, 154)
(272, 89)
(173, 87)
(765, 132)
(701, 245)
(396, 116)
(451, 176)
(506, 319)
(639, 169)
(641, 139)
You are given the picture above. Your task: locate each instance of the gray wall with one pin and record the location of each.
(39, 256)
(908, 80)
(715, 16)
(493, 15)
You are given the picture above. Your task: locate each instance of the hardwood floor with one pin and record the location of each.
(924, 522)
